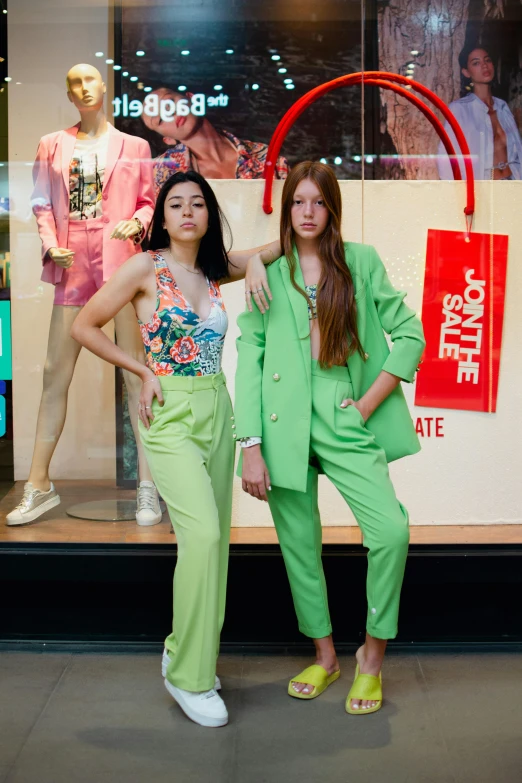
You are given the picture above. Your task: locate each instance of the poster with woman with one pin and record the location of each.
(207, 85)
(470, 54)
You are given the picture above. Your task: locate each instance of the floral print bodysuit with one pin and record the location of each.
(176, 340)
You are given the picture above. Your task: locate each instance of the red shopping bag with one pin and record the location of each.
(462, 314)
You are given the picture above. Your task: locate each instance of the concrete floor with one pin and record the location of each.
(85, 718)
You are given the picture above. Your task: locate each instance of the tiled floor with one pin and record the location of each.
(84, 718)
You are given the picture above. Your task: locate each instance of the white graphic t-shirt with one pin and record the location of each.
(86, 171)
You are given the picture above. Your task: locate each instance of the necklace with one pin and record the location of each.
(187, 268)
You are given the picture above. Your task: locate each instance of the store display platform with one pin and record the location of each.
(57, 527)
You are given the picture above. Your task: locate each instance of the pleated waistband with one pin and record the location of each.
(191, 383)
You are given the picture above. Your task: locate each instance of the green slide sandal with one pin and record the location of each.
(365, 686)
(315, 675)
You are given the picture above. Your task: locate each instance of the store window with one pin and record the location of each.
(203, 88)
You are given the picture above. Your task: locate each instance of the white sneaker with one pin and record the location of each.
(33, 504)
(165, 662)
(148, 511)
(205, 707)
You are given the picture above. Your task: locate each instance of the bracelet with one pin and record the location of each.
(245, 443)
(149, 381)
(137, 238)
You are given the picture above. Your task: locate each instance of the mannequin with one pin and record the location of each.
(93, 202)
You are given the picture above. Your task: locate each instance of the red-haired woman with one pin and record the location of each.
(317, 388)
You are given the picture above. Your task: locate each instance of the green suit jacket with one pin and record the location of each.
(274, 366)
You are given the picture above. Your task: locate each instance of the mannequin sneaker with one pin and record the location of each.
(34, 503)
(165, 663)
(206, 707)
(148, 511)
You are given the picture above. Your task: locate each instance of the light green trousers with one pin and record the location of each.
(356, 465)
(190, 451)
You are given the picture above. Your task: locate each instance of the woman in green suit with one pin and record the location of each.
(317, 389)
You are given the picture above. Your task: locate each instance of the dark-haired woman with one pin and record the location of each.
(318, 389)
(186, 420)
(487, 122)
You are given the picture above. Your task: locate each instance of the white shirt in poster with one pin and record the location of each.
(472, 115)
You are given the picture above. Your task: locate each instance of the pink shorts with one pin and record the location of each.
(81, 281)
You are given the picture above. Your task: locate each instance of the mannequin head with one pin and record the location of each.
(85, 87)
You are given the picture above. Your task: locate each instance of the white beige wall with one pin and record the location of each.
(471, 475)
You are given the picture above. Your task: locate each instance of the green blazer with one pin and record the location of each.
(274, 366)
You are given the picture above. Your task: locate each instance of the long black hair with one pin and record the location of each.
(212, 256)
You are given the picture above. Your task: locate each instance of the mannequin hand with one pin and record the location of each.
(150, 388)
(61, 256)
(256, 284)
(256, 479)
(359, 405)
(125, 229)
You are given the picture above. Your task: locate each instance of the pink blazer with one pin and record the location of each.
(127, 193)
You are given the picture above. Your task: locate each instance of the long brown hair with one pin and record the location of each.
(336, 308)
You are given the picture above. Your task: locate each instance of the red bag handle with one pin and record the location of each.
(389, 81)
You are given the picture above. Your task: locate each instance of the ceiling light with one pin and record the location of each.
(276, 57)
(323, 160)
(140, 53)
(147, 89)
(338, 161)
(109, 62)
(218, 86)
(99, 54)
(288, 81)
(414, 52)
(290, 86)
(8, 78)
(125, 73)
(134, 78)
(255, 86)
(229, 51)
(185, 52)
(281, 70)
(117, 67)
(182, 88)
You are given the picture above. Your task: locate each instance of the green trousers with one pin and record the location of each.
(349, 456)
(190, 451)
